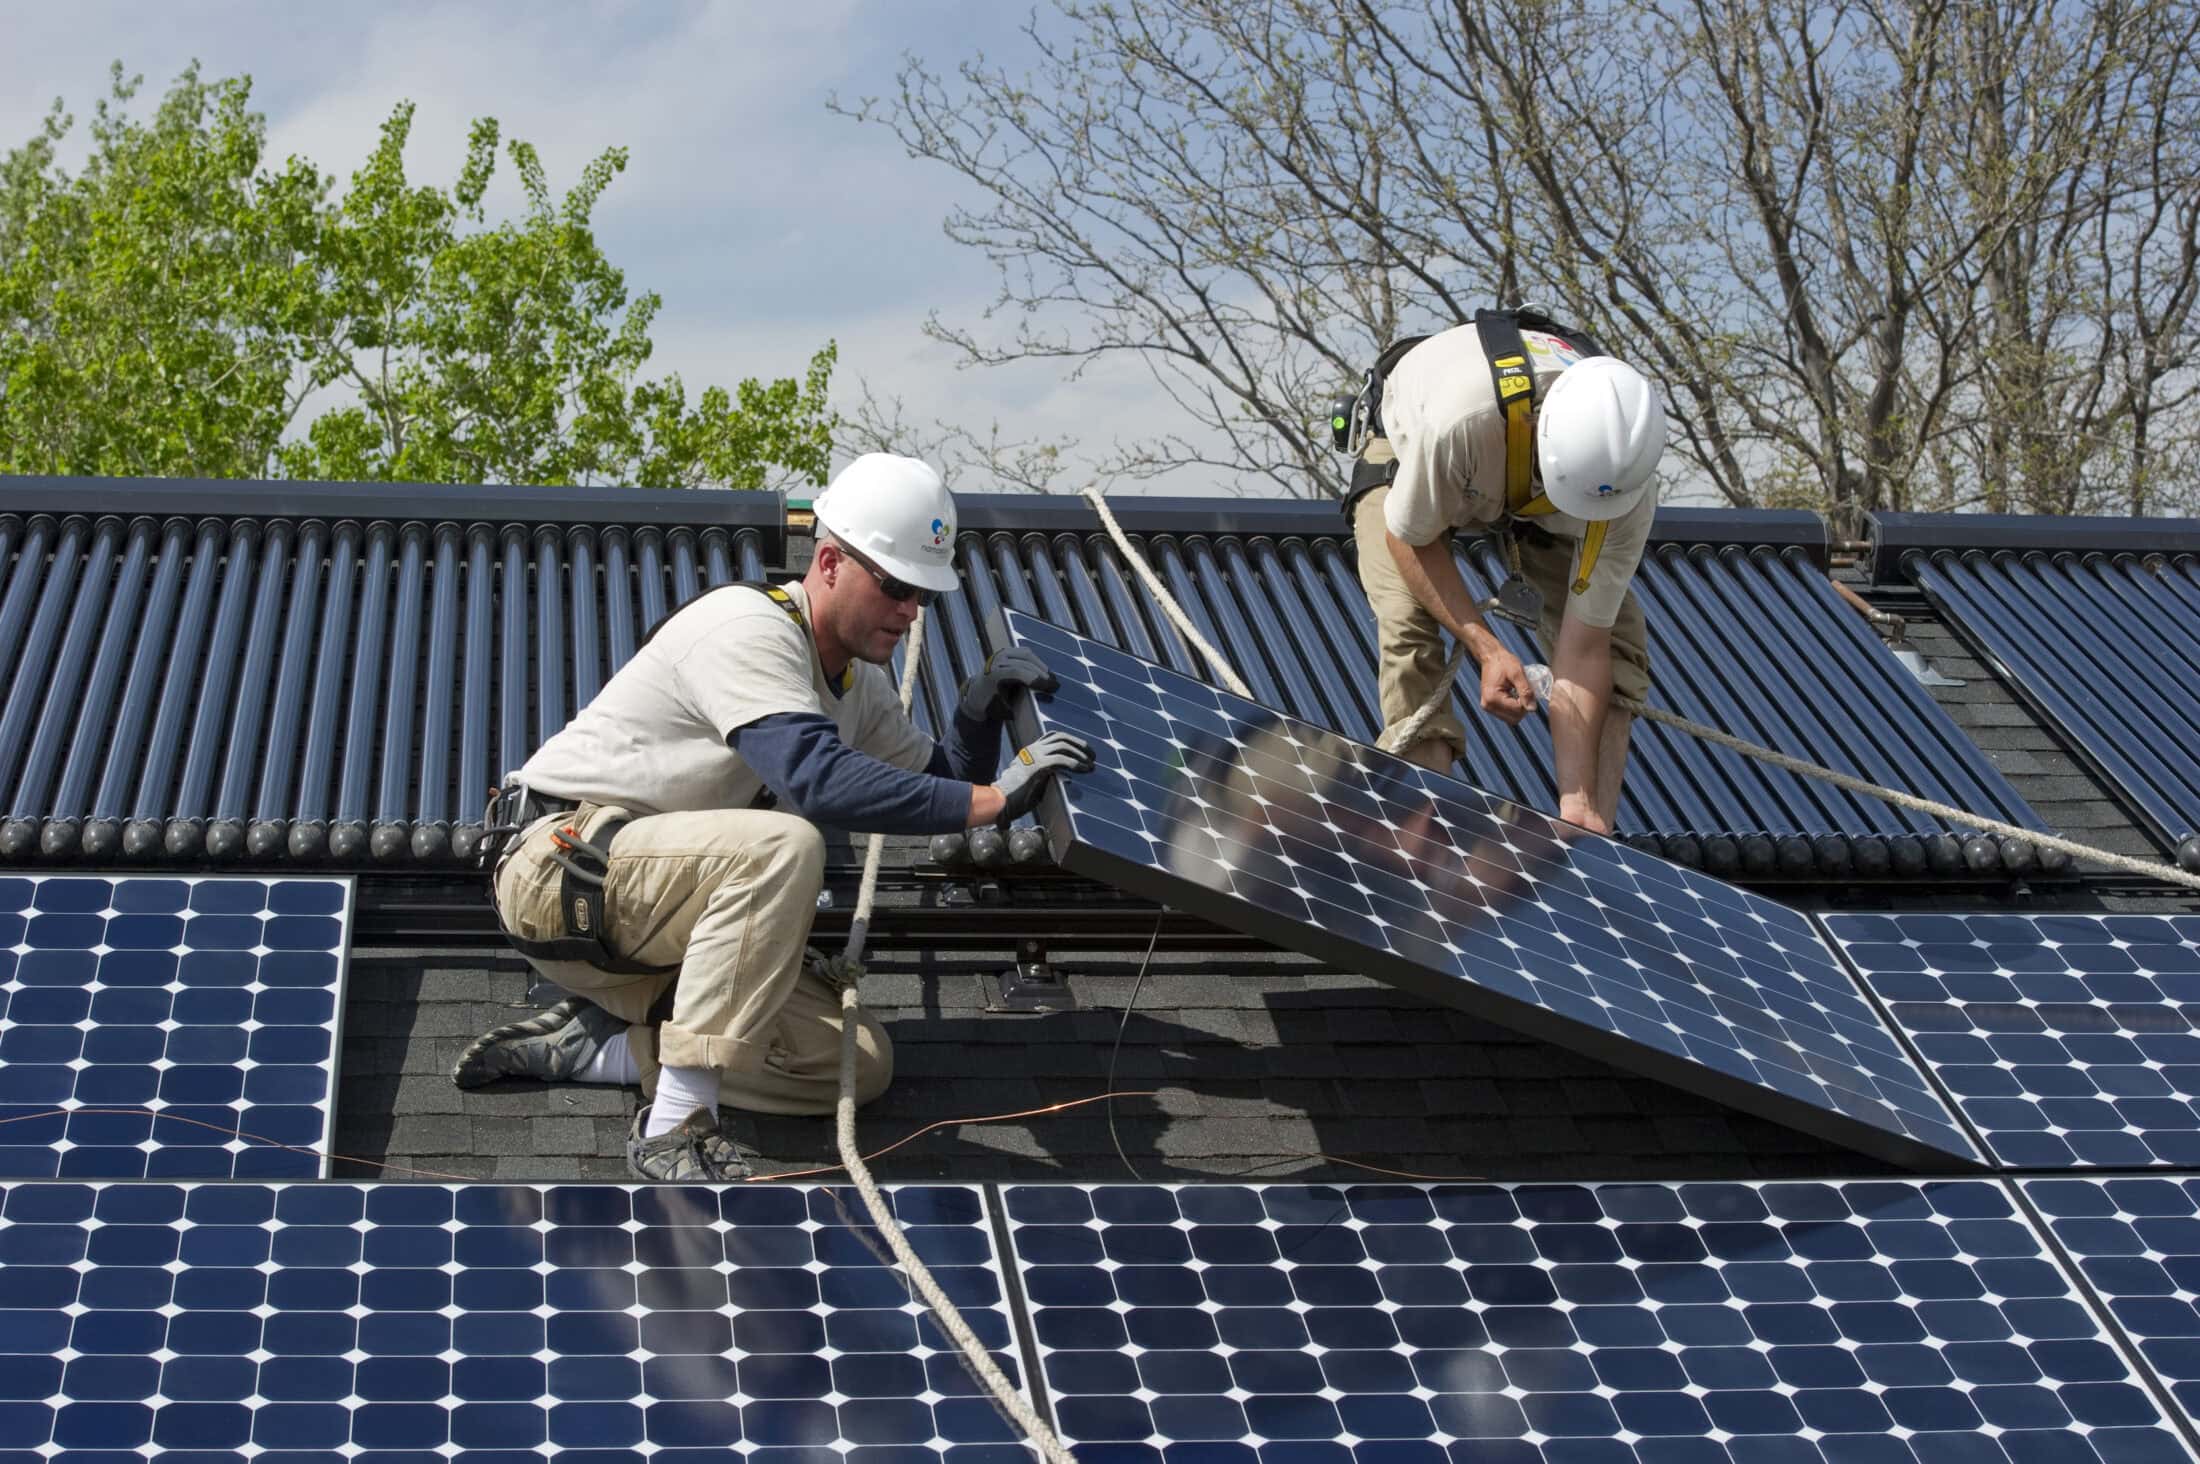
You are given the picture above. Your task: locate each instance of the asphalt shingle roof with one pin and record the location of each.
(1255, 1067)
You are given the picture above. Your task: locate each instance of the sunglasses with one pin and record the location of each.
(893, 589)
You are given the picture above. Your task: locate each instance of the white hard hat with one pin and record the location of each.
(1599, 432)
(897, 513)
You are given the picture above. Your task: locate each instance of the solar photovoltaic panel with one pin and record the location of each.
(1299, 836)
(2137, 1241)
(2069, 1041)
(1806, 1323)
(155, 1028)
(495, 1322)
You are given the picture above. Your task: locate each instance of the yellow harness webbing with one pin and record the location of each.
(1513, 378)
(785, 601)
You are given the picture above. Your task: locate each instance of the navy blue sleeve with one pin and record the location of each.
(801, 757)
(971, 752)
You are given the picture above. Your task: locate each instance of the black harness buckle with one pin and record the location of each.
(584, 864)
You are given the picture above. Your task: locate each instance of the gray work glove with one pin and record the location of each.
(985, 695)
(1028, 771)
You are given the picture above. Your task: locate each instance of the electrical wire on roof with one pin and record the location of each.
(1408, 732)
(1130, 1005)
(1144, 962)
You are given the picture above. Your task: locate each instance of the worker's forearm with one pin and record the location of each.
(1581, 695)
(1432, 578)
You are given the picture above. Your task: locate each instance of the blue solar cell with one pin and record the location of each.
(145, 1024)
(2137, 1240)
(1295, 834)
(2069, 1041)
(1947, 1332)
(329, 1363)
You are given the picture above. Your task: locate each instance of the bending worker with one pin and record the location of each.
(1535, 434)
(665, 857)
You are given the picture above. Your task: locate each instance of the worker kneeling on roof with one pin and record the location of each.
(664, 859)
(1533, 434)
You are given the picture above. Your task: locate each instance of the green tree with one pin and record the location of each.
(178, 307)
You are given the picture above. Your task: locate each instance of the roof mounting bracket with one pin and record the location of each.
(1031, 986)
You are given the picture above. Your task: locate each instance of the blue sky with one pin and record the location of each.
(768, 224)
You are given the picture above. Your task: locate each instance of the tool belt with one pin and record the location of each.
(584, 864)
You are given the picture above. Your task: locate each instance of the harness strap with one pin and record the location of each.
(1592, 544)
(1513, 380)
(1366, 478)
(584, 864)
(778, 595)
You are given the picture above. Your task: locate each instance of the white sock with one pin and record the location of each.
(680, 1091)
(613, 1063)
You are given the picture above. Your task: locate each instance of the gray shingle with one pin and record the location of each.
(562, 1136)
(435, 1134)
(503, 1136)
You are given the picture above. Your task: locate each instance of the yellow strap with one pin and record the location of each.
(1516, 399)
(787, 603)
(1592, 543)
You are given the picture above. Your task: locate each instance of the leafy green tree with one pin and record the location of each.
(155, 308)
(178, 307)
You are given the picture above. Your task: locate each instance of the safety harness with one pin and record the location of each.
(1512, 378)
(584, 862)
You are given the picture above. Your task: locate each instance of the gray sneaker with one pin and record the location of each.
(549, 1046)
(697, 1150)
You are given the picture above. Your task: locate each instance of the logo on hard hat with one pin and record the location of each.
(1605, 490)
(939, 532)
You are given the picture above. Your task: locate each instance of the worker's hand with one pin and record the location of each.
(985, 695)
(1506, 694)
(1029, 769)
(1576, 809)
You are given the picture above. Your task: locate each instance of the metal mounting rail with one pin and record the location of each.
(1066, 913)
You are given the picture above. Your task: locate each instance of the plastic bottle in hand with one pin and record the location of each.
(1539, 677)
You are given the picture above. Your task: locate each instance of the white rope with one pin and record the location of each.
(979, 1361)
(1408, 732)
(1900, 799)
(1175, 612)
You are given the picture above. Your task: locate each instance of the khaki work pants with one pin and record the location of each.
(1411, 651)
(725, 896)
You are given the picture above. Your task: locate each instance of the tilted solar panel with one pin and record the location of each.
(493, 1321)
(155, 1028)
(2069, 1041)
(1294, 834)
(1648, 1323)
